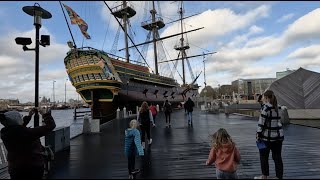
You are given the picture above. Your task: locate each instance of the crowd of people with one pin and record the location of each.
(25, 152)
(224, 152)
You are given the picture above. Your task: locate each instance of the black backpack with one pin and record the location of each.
(168, 108)
(144, 117)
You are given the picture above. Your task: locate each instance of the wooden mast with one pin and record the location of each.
(154, 29)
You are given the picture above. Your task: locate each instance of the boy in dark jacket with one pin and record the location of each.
(25, 158)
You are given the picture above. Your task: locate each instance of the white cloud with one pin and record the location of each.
(18, 66)
(217, 23)
(307, 57)
(285, 18)
(310, 52)
(238, 58)
(259, 48)
(304, 27)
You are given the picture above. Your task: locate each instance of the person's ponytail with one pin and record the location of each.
(273, 100)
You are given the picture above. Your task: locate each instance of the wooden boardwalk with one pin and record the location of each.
(181, 151)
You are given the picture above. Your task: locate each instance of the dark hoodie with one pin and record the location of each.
(23, 144)
(226, 158)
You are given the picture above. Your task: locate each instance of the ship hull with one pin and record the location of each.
(107, 84)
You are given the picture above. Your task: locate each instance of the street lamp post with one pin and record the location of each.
(65, 92)
(38, 13)
(53, 96)
(205, 82)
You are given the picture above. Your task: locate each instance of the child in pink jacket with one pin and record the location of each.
(224, 154)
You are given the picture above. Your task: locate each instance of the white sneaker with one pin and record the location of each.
(260, 177)
(150, 141)
(143, 145)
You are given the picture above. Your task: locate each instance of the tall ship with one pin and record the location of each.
(108, 82)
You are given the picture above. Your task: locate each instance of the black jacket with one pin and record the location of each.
(189, 105)
(23, 144)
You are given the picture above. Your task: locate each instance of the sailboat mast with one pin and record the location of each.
(125, 30)
(182, 45)
(154, 29)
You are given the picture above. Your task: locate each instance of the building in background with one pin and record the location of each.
(282, 74)
(249, 88)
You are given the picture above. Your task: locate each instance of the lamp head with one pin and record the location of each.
(45, 40)
(23, 41)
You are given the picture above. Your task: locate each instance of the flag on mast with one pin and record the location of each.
(76, 19)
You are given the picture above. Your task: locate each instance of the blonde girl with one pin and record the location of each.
(224, 154)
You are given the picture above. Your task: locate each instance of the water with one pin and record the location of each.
(63, 118)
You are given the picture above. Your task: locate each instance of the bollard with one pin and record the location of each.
(125, 115)
(158, 108)
(95, 125)
(284, 115)
(86, 124)
(118, 113)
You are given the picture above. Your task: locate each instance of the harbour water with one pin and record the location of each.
(63, 118)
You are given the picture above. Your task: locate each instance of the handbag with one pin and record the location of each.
(261, 145)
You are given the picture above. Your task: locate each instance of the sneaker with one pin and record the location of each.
(135, 171)
(130, 176)
(260, 177)
(143, 145)
(150, 141)
(169, 125)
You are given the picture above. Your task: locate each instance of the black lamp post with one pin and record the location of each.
(38, 13)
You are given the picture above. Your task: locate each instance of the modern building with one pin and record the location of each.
(247, 88)
(282, 74)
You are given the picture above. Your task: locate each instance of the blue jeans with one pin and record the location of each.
(189, 117)
(226, 175)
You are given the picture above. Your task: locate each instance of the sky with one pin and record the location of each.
(252, 40)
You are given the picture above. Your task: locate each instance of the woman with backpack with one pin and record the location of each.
(167, 112)
(154, 112)
(145, 117)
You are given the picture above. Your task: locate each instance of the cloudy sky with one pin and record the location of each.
(252, 40)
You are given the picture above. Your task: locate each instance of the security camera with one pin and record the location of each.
(23, 41)
(45, 40)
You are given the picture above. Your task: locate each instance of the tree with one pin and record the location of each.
(210, 92)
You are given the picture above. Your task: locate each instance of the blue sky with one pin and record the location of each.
(253, 40)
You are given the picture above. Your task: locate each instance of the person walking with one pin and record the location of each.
(189, 106)
(270, 136)
(132, 147)
(25, 152)
(167, 112)
(224, 154)
(154, 112)
(145, 118)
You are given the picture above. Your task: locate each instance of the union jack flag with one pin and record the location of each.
(76, 19)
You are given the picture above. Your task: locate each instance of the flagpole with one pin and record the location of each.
(75, 46)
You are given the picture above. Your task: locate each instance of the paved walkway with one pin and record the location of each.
(181, 151)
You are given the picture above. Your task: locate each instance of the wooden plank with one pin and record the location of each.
(181, 151)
